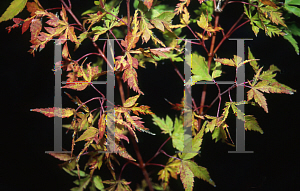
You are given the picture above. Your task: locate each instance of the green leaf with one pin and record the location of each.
(192, 146)
(165, 126)
(74, 172)
(14, 8)
(92, 10)
(83, 184)
(290, 38)
(258, 97)
(292, 9)
(252, 63)
(219, 134)
(199, 69)
(217, 70)
(88, 134)
(237, 112)
(186, 176)
(166, 16)
(98, 182)
(200, 172)
(251, 124)
(292, 2)
(178, 135)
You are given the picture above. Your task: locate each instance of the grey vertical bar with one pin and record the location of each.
(57, 100)
(110, 98)
(240, 125)
(187, 93)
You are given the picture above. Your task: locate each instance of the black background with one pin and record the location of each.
(28, 83)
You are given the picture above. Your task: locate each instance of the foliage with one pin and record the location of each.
(151, 20)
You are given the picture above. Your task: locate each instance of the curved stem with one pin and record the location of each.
(158, 151)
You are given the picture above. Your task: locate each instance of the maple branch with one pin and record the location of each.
(116, 40)
(201, 42)
(125, 166)
(228, 34)
(220, 98)
(169, 155)
(158, 151)
(87, 55)
(155, 164)
(242, 3)
(210, 57)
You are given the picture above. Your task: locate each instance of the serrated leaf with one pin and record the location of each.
(203, 23)
(258, 97)
(178, 135)
(200, 172)
(131, 101)
(62, 156)
(293, 9)
(192, 146)
(148, 3)
(14, 9)
(219, 134)
(83, 184)
(199, 69)
(130, 75)
(251, 124)
(290, 38)
(186, 176)
(165, 125)
(98, 182)
(55, 111)
(88, 134)
(253, 63)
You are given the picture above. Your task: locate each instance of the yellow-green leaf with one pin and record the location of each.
(14, 8)
(251, 124)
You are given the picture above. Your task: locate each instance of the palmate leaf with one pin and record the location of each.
(192, 146)
(117, 185)
(14, 8)
(165, 125)
(258, 97)
(199, 69)
(178, 135)
(55, 111)
(186, 176)
(251, 124)
(88, 134)
(200, 172)
(62, 156)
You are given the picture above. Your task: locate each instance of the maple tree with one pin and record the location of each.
(150, 19)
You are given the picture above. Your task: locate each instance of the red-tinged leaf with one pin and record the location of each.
(101, 125)
(88, 134)
(143, 109)
(55, 111)
(35, 28)
(123, 153)
(135, 62)
(119, 136)
(14, 8)
(251, 124)
(186, 176)
(131, 101)
(65, 52)
(32, 7)
(71, 34)
(268, 2)
(17, 20)
(225, 61)
(26, 25)
(200, 172)
(63, 14)
(130, 76)
(259, 98)
(79, 86)
(53, 22)
(148, 3)
(62, 156)
(158, 53)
